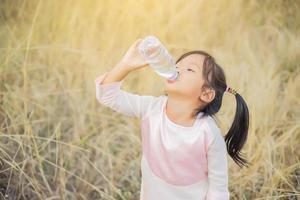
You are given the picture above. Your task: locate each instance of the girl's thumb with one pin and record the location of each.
(138, 41)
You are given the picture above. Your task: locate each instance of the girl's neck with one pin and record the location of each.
(181, 111)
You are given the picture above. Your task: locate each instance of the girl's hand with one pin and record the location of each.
(132, 59)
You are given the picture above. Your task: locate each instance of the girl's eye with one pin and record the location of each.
(189, 69)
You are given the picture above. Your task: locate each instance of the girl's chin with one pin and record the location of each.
(172, 91)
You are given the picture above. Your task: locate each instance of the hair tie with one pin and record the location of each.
(230, 90)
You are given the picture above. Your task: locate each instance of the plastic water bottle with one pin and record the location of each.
(158, 57)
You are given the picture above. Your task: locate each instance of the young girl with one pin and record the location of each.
(184, 155)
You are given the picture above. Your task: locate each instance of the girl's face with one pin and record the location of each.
(190, 81)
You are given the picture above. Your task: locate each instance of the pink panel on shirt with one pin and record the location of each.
(182, 165)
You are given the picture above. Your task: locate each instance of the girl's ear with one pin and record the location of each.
(207, 95)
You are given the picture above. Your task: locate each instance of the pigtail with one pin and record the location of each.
(237, 134)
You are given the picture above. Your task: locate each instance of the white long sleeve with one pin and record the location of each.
(178, 162)
(217, 166)
(111, 95)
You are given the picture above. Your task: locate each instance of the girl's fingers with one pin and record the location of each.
(137, 42)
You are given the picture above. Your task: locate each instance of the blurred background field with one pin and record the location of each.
(58, 142)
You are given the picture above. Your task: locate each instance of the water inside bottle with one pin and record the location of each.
(158, 57)
(164, 70)
(150, 47)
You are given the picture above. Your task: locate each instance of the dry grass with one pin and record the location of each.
(58, 142)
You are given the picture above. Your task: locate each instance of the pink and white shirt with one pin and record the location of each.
(178, 162)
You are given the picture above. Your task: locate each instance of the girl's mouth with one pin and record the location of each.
(171, 81)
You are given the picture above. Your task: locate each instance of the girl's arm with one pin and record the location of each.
(108, 86)
(110, 94)
(217, 167)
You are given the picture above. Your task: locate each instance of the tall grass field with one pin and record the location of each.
(58, 142)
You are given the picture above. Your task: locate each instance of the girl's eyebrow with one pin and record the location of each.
(195, 64)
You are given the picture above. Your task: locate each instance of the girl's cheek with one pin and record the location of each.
(186, 86)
